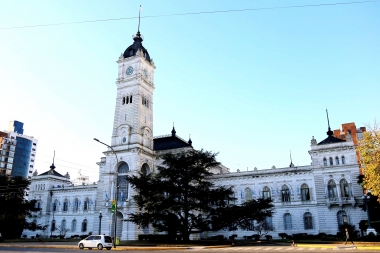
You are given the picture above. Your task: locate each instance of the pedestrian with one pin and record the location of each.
(348, 237)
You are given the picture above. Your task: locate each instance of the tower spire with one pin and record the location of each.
(291, 161)
(138, 28)
(52, 167)
(173, 131)
(329, 132)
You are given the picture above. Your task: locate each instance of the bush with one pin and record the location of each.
(232, 237)
(32, 237)
(321, 235)
(283, 235)
(268, 237)
(256, 236)
(23, 236)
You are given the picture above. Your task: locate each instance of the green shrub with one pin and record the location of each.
(283, 235)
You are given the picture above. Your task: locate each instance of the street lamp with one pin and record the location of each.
(100, 222)
(366, 199)
(116, 188)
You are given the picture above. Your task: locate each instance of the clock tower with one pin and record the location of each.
(133, 122)
(131, 149)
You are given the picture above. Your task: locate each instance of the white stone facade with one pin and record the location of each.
(305, 198)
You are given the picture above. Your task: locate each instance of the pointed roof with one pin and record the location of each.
(330, 138)
(170, 142)
(52, 170)
(137, 45)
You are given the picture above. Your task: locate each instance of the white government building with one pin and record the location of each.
(309, 199)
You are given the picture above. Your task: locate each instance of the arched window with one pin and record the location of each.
(331, 187)
(324, 161)
(84, 225)
(308, 221)
(145, 170)
(285, 193)
(76, 205)
(65, 205)
(52, 225)
(344, 188)
(123, 168)
(331, 161)
(55, 205)
(287, 221)
(343, 160)
(123, 189)
(266, 192)
(74, 225)
(248, 194)
(63, 225)
(305, 192)
(86, 204)
(342, 218)
(337, 160)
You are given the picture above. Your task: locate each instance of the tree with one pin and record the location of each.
(263, 227)
(369, 151)
(180, 199)
(14, 209)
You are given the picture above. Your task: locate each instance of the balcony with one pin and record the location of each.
(341, 201)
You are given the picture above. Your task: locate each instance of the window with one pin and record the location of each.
(285, 193)
(123, 168)
(76, 205)
(52, 225)
(266, 192)
(74, 225)
(63, 225)
(123, 189)
(324, 161)
(331, 188)
(248, 194)
(130, 99)
(305, 192)
(86, 204)
(84, 225)
(65, 205)
(123, 100)
(287, 221)
(55, 205)
(308, 221)
(232, 202)
(145, 169)
(343, 160)
(331, 161)
(344, 188)
(269, 223)
(342, 218)
(251, 225)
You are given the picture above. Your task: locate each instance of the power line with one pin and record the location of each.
(64, 161)
(192, 13)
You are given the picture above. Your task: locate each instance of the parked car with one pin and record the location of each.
(96, 241)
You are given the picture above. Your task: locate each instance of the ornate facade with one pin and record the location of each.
(308, 199)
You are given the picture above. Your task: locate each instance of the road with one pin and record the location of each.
(269, 249)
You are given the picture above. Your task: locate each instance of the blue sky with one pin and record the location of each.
(251, 85)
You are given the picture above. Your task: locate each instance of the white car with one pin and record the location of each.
(96, 241)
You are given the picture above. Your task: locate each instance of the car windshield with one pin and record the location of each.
(107, 239)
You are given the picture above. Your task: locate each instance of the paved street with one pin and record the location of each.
(204, 250)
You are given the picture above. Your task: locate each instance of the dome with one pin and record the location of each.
(137, 44)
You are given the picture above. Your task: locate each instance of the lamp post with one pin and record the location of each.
(100, 222)
(366, 199)
(116, 188)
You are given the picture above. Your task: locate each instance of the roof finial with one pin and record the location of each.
(138, 28)
(329, 132)
(190, 141)
(52, 167)
(291, 161)
(173, 131)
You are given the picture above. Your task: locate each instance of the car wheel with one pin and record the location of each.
(100, 246)
(90, 248)
(108, 248)
(81, 246)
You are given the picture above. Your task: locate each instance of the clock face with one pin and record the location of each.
(145, 73)
(129, 70)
